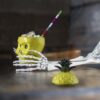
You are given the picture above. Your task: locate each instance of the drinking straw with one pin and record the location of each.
(52, 22)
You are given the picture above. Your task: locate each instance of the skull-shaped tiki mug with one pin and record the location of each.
(28, 42)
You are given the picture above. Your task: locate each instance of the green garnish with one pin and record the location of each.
(65, 65)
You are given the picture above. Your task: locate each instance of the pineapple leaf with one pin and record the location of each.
(58, 67)
(65, 65)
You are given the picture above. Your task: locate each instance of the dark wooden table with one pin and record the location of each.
(38, 86)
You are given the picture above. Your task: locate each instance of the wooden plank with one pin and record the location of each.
(68, 54)
(37, 85)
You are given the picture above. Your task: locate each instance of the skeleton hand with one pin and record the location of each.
(31, 62)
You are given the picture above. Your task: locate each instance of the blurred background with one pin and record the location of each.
(77, 28)
(76, 32)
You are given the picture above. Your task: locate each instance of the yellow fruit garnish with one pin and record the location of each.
(65, 77)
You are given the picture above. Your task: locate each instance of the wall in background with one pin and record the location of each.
(85, 24)
(21, 16)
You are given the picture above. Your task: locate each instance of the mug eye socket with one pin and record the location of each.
(20, 45)
(26, 46)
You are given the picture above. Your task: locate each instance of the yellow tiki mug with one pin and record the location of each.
(28, 42)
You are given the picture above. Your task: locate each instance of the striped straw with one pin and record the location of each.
(52, 22)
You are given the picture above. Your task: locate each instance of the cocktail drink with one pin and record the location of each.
(28, 42)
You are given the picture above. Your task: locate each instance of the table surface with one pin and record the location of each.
(37, 85)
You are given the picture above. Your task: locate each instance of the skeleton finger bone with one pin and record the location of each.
(28, 57)
(25, 61)
(26, 70)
